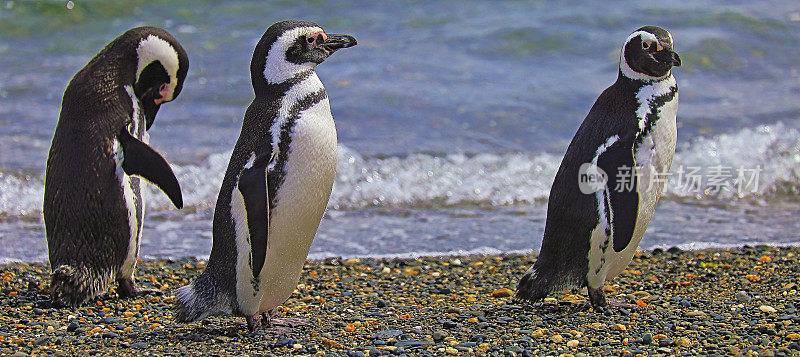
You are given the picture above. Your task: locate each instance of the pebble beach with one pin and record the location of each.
(739, 301)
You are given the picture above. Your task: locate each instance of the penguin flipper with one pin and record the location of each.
(253, 187)
(619, 163)
(142, 160)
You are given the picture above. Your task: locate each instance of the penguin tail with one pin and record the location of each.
(533, 286)
(194, 302)
(73, 285)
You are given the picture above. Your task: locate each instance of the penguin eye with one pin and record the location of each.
(645, 45)
(311, 39)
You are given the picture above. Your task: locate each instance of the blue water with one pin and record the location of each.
(452, 118)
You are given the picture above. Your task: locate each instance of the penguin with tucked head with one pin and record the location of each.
(612, 174)
(277, 183)
(99, 158)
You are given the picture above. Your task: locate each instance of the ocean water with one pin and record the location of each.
(452, 120)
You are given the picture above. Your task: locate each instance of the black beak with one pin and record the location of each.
(335, 42)
(667, 56)
(149, 107)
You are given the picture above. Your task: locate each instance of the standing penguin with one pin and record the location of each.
(277, 184)
(612, 175)
(94, 193)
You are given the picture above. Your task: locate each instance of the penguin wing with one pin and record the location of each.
(619, 163)
(142, 160)
(253, 187)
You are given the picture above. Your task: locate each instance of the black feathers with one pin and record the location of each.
(253, 187)
(141, 160)
(622, 189)
(90, 229)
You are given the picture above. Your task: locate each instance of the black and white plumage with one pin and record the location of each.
(277, 183)
(629, 134)
(94, 192)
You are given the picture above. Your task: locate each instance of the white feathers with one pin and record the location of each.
(153, 49)
(610, 141)
(302, 197)
(247, 297)
(599, 241)
(309, 85)
(649, 93)
(129, 264)
(250, 161)
(277, 69)
(653, 160)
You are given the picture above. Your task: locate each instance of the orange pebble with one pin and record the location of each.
(766, 259)
(350, 328)
(641, 303)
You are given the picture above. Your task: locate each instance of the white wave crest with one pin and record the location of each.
(770, 156)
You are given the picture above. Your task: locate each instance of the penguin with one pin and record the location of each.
(612, 175)
(277, 184)
(98, 161)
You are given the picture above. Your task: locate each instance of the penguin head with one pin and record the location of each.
(289, 48)
(161, 67)
(648, 54)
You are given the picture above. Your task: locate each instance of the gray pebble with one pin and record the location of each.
(742, 296)
(647, 338)
(439, 335)
(138, 345)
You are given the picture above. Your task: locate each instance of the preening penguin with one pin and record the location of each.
(277, 184)
(94, 194)
(612, 174)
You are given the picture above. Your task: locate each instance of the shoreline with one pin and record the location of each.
(714, 301)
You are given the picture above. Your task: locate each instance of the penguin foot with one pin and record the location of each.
(270, 326)
(255, 322)
(126, 290)
(597, 297)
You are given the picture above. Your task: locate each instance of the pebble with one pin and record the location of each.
(452, 312)
(288, 341)
(138, 345)
(502, 292)
(696, 313)
(767, 308)
(439, 335)
(742, 296)
(386, 334)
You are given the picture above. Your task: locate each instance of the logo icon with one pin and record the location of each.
(591, 178)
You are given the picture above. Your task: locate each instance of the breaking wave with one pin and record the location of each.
(749, 164)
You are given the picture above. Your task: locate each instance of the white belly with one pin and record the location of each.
(654, 162)
(302, 199)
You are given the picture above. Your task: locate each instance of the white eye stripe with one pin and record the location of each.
(277, 69)
(646, 36)
(153, 49)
